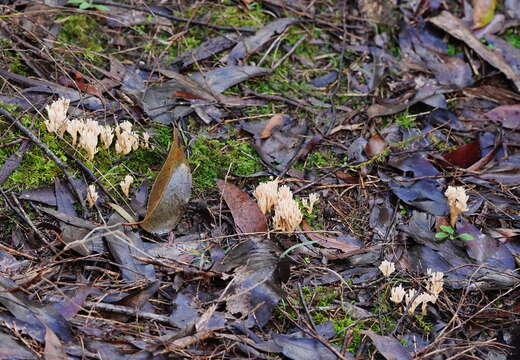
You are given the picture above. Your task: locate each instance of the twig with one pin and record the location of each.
(305, 307)
(47, 151)
(290, 52)
(14, 142)
(117, 309)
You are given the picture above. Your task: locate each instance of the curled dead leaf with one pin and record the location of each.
(170, 192)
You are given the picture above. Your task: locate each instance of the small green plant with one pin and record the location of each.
(88, 4)
(449, 232)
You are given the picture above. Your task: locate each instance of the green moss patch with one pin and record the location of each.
(210, 159)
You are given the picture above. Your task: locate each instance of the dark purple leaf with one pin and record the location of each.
(422, 194)
(205, 50)
(297, 348)
(184, 311)
(507, 115)
(506, 172)
(10, 349)
(125, 245)
(414, 163)
(388, 346)
(10, 165)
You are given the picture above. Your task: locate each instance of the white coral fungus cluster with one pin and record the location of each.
(457, 201)
(90, 131)
(287, 213)
(413, 299)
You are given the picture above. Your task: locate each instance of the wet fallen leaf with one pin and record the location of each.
(246, 213)
(170, 192)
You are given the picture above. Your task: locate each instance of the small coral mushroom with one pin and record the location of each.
(92, 195)
(266, 195)
(387, 268)
(397, 294)
(287, 214)
(457, 201)
(125, 184)
(89, 137)
(106, 135)
(74, 129)
(57, 113)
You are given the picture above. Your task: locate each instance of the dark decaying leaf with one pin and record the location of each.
(205, 50)
(414, 163)
(256, 284)
(10, 165)
(456, 28)
(124, 246)
(506, 172)
(246, 213)
(324, 80)
(64, 199)
(158, 101)
(423, 47)
(170, 192)
(482, 246)
(10, 349)
(422, 194)
(136, 300)
(388, 346)
(184, 311)
(254, 42)
(223, 78)
(507, 51)
(283, 144)
(429, 92)
(138, 202)
(70, 306)
(36, 317)
(507, 115)
(298, 348)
